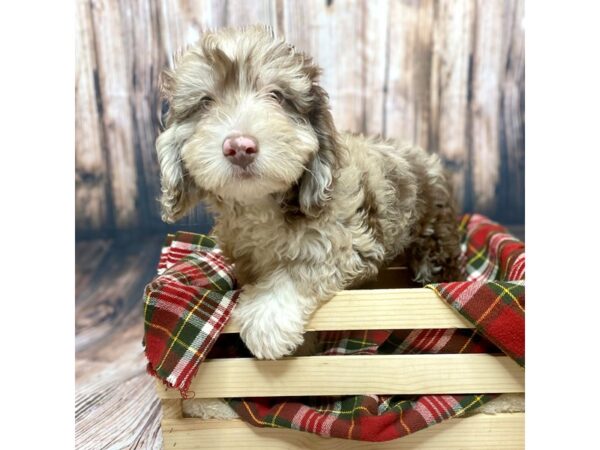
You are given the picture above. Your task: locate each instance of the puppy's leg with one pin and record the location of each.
(272, 314)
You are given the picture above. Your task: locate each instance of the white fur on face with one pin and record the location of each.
(285, 146)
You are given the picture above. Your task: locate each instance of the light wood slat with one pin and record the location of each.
(478, 432)
(381, 309)
(355, 374)
(171, 409)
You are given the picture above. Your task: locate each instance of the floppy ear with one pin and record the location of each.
(317, 181)
(179, 192)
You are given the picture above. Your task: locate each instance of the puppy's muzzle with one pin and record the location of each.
(240, 150)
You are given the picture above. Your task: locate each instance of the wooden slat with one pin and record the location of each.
(374, 50)
(171, 409)
(478, 432)
(322, 32)
(511, 197)
(182, 22)
(452, 38)
(382, 309)
(113, 53)
(409, 66)
(353, 69)
(487, 71)
(143, 31)
(242, 13)
(355, 374)
(91, 201)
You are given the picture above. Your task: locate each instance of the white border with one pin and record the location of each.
(562, 189)
(37, 185)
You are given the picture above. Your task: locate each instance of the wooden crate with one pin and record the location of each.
(360, 309)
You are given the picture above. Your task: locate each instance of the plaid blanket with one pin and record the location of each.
(493, 297)
(187, 305)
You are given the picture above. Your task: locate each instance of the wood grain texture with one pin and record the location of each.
(91, 195)
(354, 374)
(452, 38)
(479, 432)
(447, 75)
(115, 72)
(374, 51)
(115, 400)
(487, 72)
(102, 312)
(512, 139)
(382, 309)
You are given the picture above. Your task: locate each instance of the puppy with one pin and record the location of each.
(301, 209)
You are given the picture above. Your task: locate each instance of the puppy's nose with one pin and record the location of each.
(240, 150)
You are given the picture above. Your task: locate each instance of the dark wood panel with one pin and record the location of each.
(511, 191)
(92, 202)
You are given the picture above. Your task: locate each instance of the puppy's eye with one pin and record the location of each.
(277, 96)
(206, 100)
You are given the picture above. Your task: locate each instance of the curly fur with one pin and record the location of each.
(319, 210)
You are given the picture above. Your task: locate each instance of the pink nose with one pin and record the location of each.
(240, 150)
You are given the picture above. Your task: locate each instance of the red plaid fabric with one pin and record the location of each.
(490, 257)
(496, 308)
(493, 297)
(489, 252)
(186, 307)
(374, 418)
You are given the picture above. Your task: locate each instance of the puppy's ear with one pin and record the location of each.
(316, 183)
(179, 192)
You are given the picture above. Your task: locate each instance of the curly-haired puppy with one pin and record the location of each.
(302, 209)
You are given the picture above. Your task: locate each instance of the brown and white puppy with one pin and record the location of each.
(303, 210)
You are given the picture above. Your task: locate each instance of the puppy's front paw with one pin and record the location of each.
(273, 340)
(270, 326)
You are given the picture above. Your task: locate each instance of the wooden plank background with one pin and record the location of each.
(446, 74)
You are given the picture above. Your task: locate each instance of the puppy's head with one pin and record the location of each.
(246, 120)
